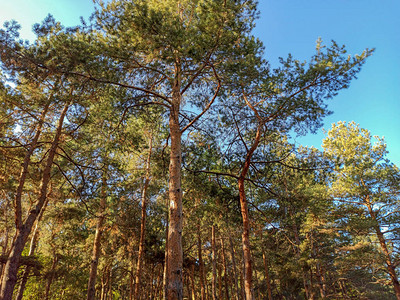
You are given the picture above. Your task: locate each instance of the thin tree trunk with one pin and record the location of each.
(201, 264)
(110, 290)
(175, 252)
(192, 282)
(6, 235)
(131, 280)
(214, 265)
(165, 275)
(220, 293)
(235, 276)
(51, 277)
(143, 220)
(32, 249)
(12, 265)
(91, 292)
(267, 278)
(225, 270)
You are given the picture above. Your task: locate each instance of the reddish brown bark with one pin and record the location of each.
(12, 265)
(248, 279)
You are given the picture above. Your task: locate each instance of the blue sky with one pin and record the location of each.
(293, 26)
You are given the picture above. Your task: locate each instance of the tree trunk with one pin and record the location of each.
(248, 280)
(32, 249)
(267, 278)
(175, 253)
(235, 276)
(12, 265)
(165, 275)
(225, 270)
(192, 282)
(6, 236)
(91, 292)
(382, 241)
(214, 264)
(25, 165)
(143, 220)
(51, 277)
(220, 293)
(201, 264)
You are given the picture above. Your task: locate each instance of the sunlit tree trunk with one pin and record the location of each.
(175, 254)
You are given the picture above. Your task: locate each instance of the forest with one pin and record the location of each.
(147, 154)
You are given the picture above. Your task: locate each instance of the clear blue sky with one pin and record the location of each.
(293, 26)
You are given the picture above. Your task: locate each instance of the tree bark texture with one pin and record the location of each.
(175, 252)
